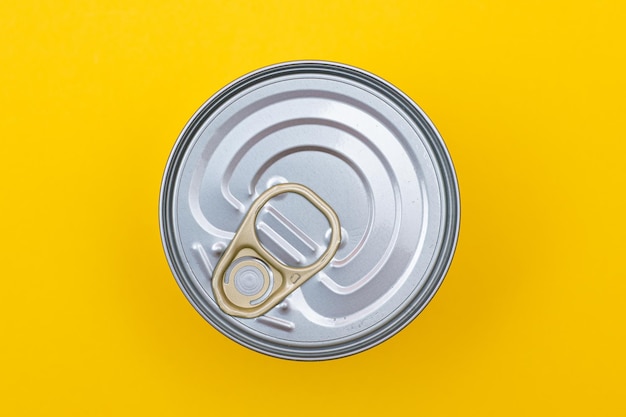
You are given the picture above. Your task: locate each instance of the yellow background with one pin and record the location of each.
(530, 98)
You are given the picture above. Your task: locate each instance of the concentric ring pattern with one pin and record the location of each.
(363, 147)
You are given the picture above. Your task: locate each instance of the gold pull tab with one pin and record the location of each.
(248, 281)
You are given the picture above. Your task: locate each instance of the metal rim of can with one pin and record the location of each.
(450, 195)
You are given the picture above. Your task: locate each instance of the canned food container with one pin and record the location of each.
(309, 210)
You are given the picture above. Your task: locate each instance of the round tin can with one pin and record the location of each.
(366, 150)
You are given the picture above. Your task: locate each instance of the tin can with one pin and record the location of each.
(370, 155)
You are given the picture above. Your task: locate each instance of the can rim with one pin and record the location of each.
(450, 194)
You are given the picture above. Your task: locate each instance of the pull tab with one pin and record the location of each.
(248, 281)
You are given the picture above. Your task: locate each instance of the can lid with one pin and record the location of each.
(360, 144)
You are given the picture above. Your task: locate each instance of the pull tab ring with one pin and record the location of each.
(248, 281)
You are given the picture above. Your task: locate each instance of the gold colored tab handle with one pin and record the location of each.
(248, 281)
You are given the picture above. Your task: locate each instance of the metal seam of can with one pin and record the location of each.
(433, 270)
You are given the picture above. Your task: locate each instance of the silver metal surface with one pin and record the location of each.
(362, 146)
